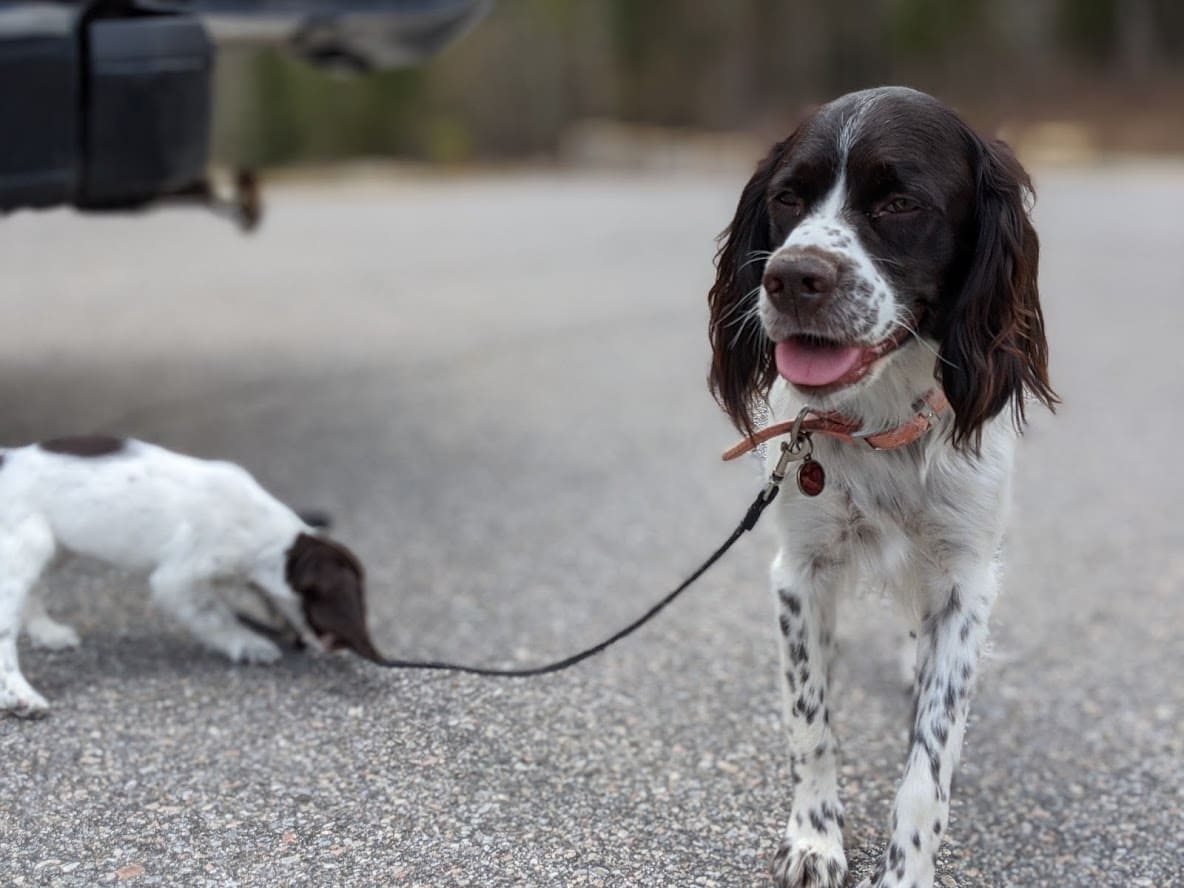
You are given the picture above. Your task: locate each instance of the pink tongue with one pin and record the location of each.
(803, 362)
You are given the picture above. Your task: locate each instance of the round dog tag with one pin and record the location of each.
(811, 477)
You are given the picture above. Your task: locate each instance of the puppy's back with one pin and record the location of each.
(132, 503)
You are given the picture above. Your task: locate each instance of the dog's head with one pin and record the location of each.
(330, 583)
(882, 224)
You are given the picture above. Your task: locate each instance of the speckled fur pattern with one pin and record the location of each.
(922, 524)
(189, 525)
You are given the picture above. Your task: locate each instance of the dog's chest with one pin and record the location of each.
(875, 504)
(882, 487)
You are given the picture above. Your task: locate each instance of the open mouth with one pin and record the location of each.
(814, 362)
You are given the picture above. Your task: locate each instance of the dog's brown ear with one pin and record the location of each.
(342, 619)
(993, 345)
(330, 581)
(742, 358)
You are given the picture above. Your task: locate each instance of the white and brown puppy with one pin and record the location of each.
(881, 258)
(191, 526)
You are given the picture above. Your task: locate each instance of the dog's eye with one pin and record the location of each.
(791, 201)
(896, 206)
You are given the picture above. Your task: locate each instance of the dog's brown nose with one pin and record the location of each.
(802, 282)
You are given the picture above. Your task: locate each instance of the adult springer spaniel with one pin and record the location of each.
(881, 271)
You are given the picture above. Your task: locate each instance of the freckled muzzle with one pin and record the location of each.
(819, 291)
(821, 310)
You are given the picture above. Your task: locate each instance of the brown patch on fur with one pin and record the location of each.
(739, 377)
(995, 348)
(84, 445)
(328, 577)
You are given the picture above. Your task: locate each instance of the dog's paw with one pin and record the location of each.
(248, 647)
(49, 635)
(19, 699)
(808, 863)
(259, 650)
(901, 868)
(883, 879)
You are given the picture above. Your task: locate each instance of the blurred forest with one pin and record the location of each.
(535, 71)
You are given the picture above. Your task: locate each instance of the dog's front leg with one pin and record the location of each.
(193, 600)
(811, 851)
(950, 638)
(26, 547)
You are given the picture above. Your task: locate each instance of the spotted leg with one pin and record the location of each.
(811, 850)
(950, 638)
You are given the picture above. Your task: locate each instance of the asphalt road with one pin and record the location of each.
(496, 386)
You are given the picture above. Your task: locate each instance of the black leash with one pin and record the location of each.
(797, 450)
(789, 453)
(749, 522)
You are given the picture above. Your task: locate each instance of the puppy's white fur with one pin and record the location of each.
(189, 525)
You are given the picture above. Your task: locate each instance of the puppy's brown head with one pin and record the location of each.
(330, 582)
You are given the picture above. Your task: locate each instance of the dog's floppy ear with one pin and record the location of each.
(742, 358)
(993, 348)
(329, 579)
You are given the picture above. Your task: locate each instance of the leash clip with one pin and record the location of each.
(798, 438)
(800, 446)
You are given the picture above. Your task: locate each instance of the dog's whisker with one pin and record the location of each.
(741, 332)
(886, 261)
(740, 307)
(747, 329)
(752, 311)
(743, 306)
(925, 344)
(764, 255)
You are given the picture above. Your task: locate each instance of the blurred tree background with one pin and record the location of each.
(535, 69)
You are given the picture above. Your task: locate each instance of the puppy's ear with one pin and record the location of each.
(342, 618)
(742, 357)
(994, 348)
(330, 581)
(310, 556)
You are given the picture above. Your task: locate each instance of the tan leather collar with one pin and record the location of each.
(929, 407)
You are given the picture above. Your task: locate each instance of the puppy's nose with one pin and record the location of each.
(802, 281)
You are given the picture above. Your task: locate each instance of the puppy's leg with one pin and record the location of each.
(948, 646)
(43, 630)
(194, 601)
(26, 547)
(811, 851)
